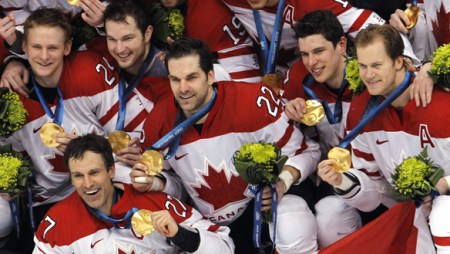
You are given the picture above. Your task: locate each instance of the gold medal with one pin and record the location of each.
(118, 140)
(342, 157)
(48, 134)
(412, 13)
(154, 162)
(73, 2)
(314, 113)
(141, 221)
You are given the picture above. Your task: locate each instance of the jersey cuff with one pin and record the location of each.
(352, 190)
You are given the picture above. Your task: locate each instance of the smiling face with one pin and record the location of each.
(92, 181)
(191, 86)
(324, 61)
(46, 47)
(127, 44)
(379, 72)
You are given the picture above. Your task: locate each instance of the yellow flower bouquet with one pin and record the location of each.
(352, 76)
(416, 177)
(12, 113)
(15, 170)
(259, 164)
(440, 66)
(167, 23)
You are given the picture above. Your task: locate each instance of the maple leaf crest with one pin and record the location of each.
(440, 26)
(220, 188)
(57, 163)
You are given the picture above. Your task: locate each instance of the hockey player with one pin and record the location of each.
(103, 217)
(397, 132)
(240, 114)
(322, 44)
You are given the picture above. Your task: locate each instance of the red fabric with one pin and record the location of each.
(392, 232)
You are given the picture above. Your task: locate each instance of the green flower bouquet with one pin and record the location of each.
(440, 66)
(259, 164)
(352, 76)
(12, 113)
(15, 170)
(167, 23)
(416, 177)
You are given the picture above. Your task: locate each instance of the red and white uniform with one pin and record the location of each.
(390, 138)
(335, 219)
(242, 113)
(215, 24)
(330, 134)
(432, 29)
(84, 83)
(351, 18)
(88, 234)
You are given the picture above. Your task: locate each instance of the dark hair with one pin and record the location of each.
(49, 17)
(119, 10)
(322, 22)
(188, 47)
(387, 34)
(90, 142)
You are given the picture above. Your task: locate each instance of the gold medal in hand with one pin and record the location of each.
(142, 222)
(48, 134)
(154, 162)
(314, 113)
(118, 140)
(412, 13)
(342, 157)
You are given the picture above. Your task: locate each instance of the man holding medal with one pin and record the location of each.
(392, 134)
(322, 45)
(212, 121)
(106, 217)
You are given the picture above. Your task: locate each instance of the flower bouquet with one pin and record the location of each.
(259, 164)
(12, 113)
(15, 170)
(167, 23)
(352, 76)
(416, 177)
(440, 66)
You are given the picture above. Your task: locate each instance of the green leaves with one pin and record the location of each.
(12, 113)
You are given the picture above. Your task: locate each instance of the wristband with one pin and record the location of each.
(346, 183)
(287, 178)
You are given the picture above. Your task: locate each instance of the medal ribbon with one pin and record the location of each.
(14, 205)
(124, 91)
(127, 218)
(182, 125)
(257, 214)
(333, 117)
(270, 54)
(372, 111)
(59, 110)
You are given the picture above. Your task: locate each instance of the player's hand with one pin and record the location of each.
(422, 87)
(131, 154)
(8, 29)
(295, 109)
(399, 21)
(164, 223)
(267, 195)
(328, 174)
(15, 77)
(63, 139)
(92, 11)
(143, 182)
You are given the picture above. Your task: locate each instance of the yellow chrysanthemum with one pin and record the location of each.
(9, 170)
(176, 24)
(14, 116)
(352, 76)
(440, 65)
